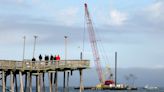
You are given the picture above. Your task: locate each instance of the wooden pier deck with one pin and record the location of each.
(37, 66)
(38, 69)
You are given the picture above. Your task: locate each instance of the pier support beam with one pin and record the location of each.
(16, 86)
(11, 81)
(64, 89)
(21, 81)
(30, 82)
(6, 73)
(50, 81)
(43, 82)
(67, 81)
(3, 82)
(36, 86)
(38, 82)
(56, 81)
(25, 87)
(81, 80)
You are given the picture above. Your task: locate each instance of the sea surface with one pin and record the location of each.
(75, 90)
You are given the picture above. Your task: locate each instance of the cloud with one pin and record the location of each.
(67, 16)
(156, 11)
(139, 27)
(117, 18)
(151, 17)
(114, 18)
(14, 26)
(15, 3)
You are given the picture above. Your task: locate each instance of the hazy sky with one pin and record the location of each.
(133, 28)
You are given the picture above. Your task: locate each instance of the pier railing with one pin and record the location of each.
(43, 65)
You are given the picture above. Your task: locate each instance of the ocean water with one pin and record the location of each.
(75, 90)
(139, 90)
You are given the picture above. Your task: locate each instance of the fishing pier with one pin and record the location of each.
(38, 69)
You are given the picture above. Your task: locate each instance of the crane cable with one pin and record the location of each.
(101, 48)
(84, 37)
(107, 70)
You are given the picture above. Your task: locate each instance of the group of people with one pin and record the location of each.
(47, 58)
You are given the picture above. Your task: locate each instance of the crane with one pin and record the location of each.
(92, 38)
(93, 42)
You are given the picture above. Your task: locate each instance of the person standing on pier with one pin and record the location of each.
(33, 59)
(40, 57)
(59, 57)
(51, 58)
(46, 59)
(55, 57)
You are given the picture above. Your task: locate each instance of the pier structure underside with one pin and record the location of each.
(38, 69)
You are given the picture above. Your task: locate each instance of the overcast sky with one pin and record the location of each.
(133, 28)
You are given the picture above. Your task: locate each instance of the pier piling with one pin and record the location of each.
(3, 81)
(21, 81)
(16, 86)
(50, 81)
(64, 89)
(81, 80)
(67, 82)
(55, 81)
(30, 82)
(25, 87)
(43, 83)
(11, 81)
(38, 82)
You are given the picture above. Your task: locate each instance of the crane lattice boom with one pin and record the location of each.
(92, 38)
